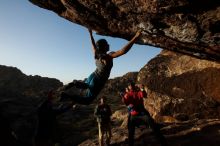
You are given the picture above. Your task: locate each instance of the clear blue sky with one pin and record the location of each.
(39, 42)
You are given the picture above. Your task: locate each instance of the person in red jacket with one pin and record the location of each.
(137, 114)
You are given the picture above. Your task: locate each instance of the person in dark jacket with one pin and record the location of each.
(103, 114)
(48, 128)
(85, 92)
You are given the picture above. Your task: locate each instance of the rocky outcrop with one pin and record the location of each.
(189, 27)
(181, 86)
(21, 98)
(14, 80)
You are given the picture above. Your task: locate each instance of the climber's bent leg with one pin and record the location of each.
(80, 96)
(84, 92)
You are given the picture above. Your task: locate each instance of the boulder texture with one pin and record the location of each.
(189, 27)
(181, 86)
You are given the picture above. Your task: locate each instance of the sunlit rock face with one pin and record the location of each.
(189, 27)
(181, 86)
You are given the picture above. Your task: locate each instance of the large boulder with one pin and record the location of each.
(189, 27)
(181, 86)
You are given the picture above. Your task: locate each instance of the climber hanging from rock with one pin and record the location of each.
(85, 92)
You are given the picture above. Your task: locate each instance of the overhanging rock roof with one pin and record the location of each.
(189, 27)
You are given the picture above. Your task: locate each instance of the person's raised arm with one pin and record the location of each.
(127, 47)
(93, 41)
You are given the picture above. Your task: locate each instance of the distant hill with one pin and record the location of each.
(13, 80)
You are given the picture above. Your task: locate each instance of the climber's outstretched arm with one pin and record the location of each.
(127, 47)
